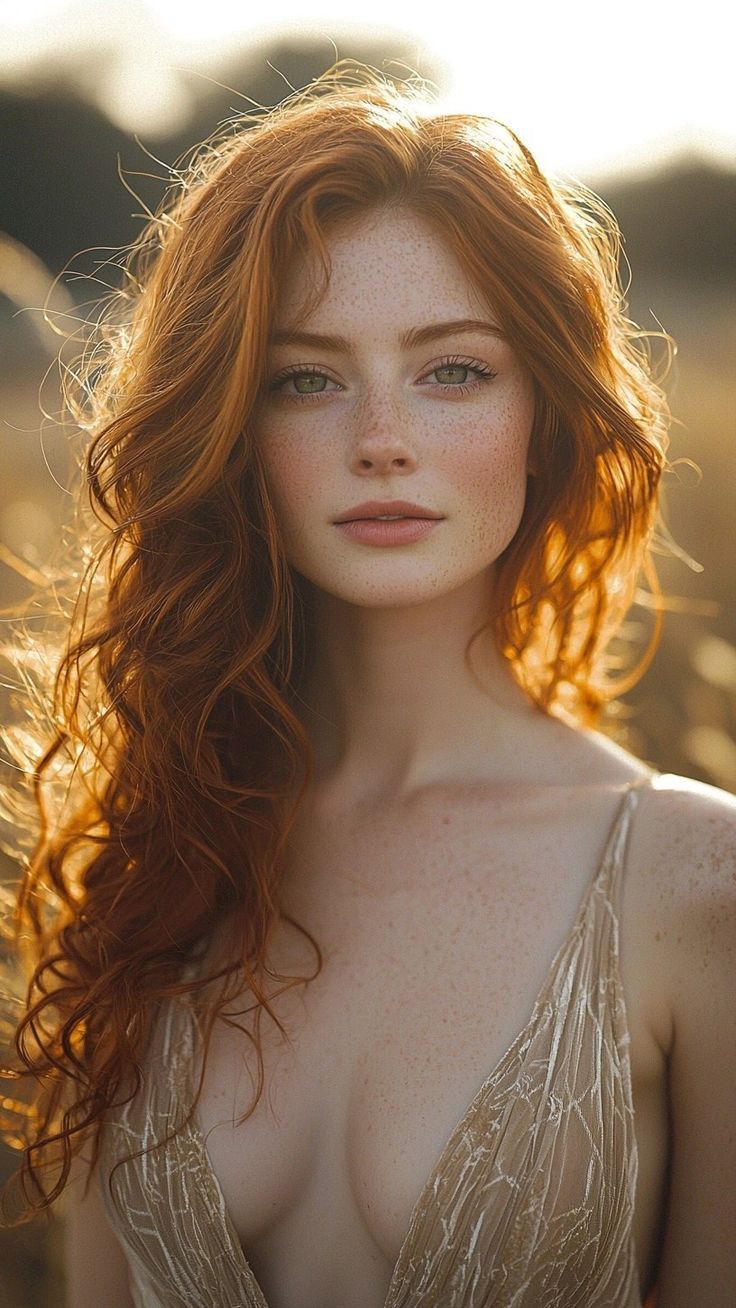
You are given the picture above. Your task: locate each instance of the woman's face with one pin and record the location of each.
(443, 422)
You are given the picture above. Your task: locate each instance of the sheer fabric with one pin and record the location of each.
(529, 1205)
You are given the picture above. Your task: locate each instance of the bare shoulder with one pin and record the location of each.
(684, 841)
(683, 853)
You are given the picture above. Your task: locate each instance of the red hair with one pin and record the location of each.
(163, 764)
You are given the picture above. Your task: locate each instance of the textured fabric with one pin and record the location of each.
(530, 1204)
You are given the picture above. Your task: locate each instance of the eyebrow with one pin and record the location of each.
(407, 340)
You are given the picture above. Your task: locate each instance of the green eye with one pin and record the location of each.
(453, 367)
(312, 382)
(311, 377)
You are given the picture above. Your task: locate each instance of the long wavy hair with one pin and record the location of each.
(162, 753)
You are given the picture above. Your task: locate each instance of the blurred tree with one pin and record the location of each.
(678, 222)
(60, 155)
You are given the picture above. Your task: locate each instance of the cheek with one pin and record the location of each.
(293, 473)
(493, 465)
(488, 471)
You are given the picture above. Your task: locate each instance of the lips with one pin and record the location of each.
(372, 509)
(379, 532)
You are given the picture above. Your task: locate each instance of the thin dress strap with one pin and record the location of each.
(611, 870)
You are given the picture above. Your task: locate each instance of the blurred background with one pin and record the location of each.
(98, 98)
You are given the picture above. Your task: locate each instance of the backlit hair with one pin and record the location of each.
(163, 748)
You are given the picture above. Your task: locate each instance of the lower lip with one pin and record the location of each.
(370, 531)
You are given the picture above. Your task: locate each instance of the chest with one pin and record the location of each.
(437, 933)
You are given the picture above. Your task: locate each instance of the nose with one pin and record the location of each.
(381, 441)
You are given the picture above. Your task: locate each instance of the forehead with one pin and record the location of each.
(386, 268)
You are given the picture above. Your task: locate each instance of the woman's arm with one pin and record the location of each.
(691, 849)
(96, 1271)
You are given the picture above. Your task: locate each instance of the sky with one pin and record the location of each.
(594, 90)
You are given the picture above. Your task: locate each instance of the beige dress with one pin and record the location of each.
(530, 1203)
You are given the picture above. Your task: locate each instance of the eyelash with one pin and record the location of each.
(455, 361)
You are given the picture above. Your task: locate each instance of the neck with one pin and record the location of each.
(390, 701)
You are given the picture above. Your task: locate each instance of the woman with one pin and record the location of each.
(375, 462)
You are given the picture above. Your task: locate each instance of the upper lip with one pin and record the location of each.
(374, 508)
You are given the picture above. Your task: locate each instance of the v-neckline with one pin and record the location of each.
(489, 1081)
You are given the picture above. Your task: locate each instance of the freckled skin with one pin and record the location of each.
(391, 433)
